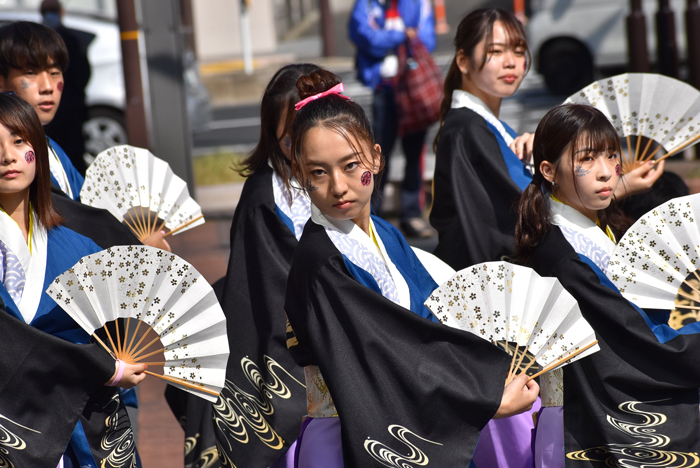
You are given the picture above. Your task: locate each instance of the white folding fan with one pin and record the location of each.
(534, 319)
(655, 263)
(646, 106)
(152, 307)
(141, 191)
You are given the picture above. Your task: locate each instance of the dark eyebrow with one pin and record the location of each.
(342, 160)
(593, 150)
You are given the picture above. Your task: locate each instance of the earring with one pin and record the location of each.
(555, 185)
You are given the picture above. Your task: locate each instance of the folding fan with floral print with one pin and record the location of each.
(148, 306)
(141, 191)
(649, 111)
(655, 264)
(534, 319)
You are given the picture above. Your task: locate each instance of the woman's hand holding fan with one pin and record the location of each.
(533, 319)
(147, 306)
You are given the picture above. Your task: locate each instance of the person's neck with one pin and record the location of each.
(492, 102)
(16, 205)
(362, 220)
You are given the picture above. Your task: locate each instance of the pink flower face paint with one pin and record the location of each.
(366, 178)
(59, 86)
(29, 157)
(617, 170)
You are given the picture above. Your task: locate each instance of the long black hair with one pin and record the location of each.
(572, 127)
(281, 93)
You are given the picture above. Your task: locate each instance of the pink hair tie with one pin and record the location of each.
(120, 373)
(337, 89)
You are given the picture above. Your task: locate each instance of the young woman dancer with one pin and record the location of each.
(35, 249)
(385, 384)
(479, 175)
(258, 414)
(635, 402)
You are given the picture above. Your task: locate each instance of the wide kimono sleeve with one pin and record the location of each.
(45, 383)
(641, 381)
(261, 407)
(474, 196)
(401, 383)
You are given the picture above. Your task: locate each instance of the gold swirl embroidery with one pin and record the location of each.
(389, 457)
(207, 458)
(118, 441)
(236, 408)
(646, 453)
(9, 440)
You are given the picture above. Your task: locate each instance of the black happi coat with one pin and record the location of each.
(97, 224)
(256, 421)
(474, 194)
(45, 383)
(602, 421)
(386, 367)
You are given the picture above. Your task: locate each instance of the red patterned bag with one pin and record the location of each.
(418, 88)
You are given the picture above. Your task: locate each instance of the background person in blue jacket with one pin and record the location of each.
(378, 27)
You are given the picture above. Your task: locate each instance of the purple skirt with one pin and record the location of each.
(319, 445)
(549, 438)
(507, 443)
(286, 460)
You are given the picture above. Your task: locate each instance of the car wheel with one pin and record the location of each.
(104, 128)
(566, 65)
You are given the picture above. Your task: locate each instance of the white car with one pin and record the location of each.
(105, 96)
(571, 39)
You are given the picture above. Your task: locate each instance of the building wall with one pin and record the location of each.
(217, 28)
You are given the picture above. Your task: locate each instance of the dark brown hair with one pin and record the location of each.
(345, 117)
(281, 93)
(566, 127)
(21, 119)
(26, 45)
(473, 28)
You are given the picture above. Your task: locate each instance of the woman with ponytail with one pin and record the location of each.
(634, 402)
(386, 385)
(479, 172)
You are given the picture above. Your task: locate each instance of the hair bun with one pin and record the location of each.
(316, 82)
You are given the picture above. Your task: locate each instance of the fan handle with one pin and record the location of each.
(562, 360)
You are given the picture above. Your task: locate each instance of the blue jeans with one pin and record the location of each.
(385, 128)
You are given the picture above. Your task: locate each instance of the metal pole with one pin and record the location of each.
(637, 39)
(692, 28)
(246, 43)
(164, 45)
(188, 26)
(667, 51)
(136, 126)
(327, 28)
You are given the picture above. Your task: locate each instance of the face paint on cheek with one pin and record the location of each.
(29, 157)
(366, 178)
(617, 170)
(59, 86)
(579, 171)
(310, 187)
